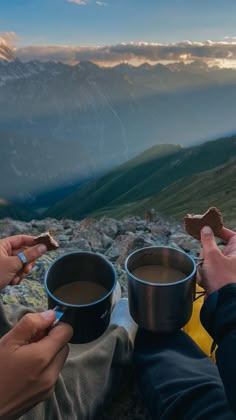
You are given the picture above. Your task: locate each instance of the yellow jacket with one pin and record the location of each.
(195, 329)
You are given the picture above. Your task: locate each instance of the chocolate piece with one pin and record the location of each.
(47, 239)
(194, 223)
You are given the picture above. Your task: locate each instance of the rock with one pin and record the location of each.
(93, 238)
(106, 241)
(77, 245)
(186, 242)
(28, 293)
(129, 226)
(124, 245)
(115, 249)
(87, 223)
(108, 226)
(159, 232)
(63, 238)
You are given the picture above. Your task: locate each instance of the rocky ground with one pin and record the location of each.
(115, 239)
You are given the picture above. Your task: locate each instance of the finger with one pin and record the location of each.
(208, 241)
(15, 281)
(19, 241)
(226, 234)
(57, 338)
(25, 331)
(31, 254)
(22, 274)
(199, 276)
(27, 269)
(18, 250)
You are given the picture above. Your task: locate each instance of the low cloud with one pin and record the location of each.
(101, 3)
(185, 51)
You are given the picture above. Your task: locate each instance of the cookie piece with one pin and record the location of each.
(47, 239)
(193, 223)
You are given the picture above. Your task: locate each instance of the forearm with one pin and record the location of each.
(177, 380)
(218, 316)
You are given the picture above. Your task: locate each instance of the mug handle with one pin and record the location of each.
(198, 260)
(60, 311)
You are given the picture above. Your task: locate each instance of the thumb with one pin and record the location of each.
(30, 328)
(208, 242)
(31, 254)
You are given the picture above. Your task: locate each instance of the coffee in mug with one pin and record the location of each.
(80, 287)
(161, 288)
(155, 273)
(80, 292)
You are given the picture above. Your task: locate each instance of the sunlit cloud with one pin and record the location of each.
(7, 50)
(221, 53)
(79, 2)
(85, 2)
(208, 51)
(9, 37)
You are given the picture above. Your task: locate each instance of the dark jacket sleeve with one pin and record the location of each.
(218, 316)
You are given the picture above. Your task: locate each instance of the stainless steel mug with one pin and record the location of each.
(89, 321)
(161, 307)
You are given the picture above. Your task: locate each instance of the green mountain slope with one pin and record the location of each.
(95, 194)
(144, 176)
(194, 194)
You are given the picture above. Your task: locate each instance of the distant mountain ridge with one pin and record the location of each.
(60, 124)
(146, 178)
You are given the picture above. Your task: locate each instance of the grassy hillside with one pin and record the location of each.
(144, 176)
(194, 194)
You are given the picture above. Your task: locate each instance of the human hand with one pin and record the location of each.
(12, 270)
(219, 267)
(30, 362)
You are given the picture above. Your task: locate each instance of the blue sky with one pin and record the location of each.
(55, 22)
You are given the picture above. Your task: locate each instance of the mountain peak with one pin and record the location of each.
(87, 65)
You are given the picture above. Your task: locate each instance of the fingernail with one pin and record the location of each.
(48, 314)
(207, 230)
(42, 248)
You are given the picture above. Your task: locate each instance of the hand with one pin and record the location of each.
(30, 362)
(219, 267)
(12, 270)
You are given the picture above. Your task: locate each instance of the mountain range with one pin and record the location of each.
(61, 125)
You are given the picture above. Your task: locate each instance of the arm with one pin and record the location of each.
(218, 314)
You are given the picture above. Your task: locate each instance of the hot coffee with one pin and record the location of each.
(155, 273)
(80, 292)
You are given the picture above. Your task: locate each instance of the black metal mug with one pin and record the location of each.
(88, 321)
(161, 307)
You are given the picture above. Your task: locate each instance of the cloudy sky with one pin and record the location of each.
(110, 31)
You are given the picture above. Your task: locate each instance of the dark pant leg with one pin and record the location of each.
(177, 380)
